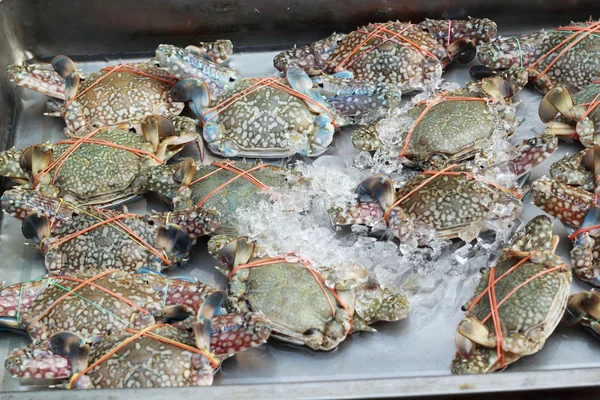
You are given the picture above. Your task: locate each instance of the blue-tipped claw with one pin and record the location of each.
(344, 75)
(212, 132)
(298, 79)
(192, 90)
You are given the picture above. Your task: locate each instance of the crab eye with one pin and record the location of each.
(321, 84)
(231, 79)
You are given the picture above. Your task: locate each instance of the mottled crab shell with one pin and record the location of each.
(103, 247)
(267, 123)
(452, 203)
(147, 362)
(97, 312)
(96, 174)
(451, 129)
(121, 97)
(237, 194)
(531, 313)
(387, 61)
(230, 334)
(578, 67)
(271, 290)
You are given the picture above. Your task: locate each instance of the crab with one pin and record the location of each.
(105, 239)
(531, 288)
(582, 309)
(577, 210)
(265, 118)
(454, 201)
(445, 131)
(579, 114)
(92, 171)
(540, 53)
(199, 63)
(124, 300)
(113, 96)
(410, 56)
(158, 356)
(301, 308)
(186, 184)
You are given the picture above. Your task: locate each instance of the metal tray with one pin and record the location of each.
(400, 359)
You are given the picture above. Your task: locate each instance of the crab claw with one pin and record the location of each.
(323, 135)
(192, 90)
(591, 160)
(35, 158)
(36, 226)
(173, 240)
(557, 100)
(66, 68)
(185, 172)
(298, 79)
(581, 305)
(237, 252)
(155, 127)
(377, 188)
(474, 330)
(70, 345)
(498, 88)
(208, 309)
(463, 50)
(465, 346)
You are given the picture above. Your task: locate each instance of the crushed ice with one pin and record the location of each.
(440, 274)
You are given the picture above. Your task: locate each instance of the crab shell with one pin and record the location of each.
(151, 363)
(95, 174)
(97, 312)
(237, 194)
(528, 316)
(570, 171)
(268, 123)
(578, 67)
(451, 204)
(385, 58)
(109, 246)
(300, 310)
(451, 130)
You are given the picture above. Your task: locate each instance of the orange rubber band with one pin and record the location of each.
(218, 188)
(318, 278)
(136, 334)
(584, 230)
(591, 106)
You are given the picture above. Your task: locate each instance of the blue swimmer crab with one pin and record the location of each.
(159, 355)
(528, 288)
(451, 127)
(408, 55)
(566, 56)
(99, 169)
(88, 237)
(302, 309)
(454, 201)
(265, 118)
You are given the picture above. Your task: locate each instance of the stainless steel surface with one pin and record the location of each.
(401, 359)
